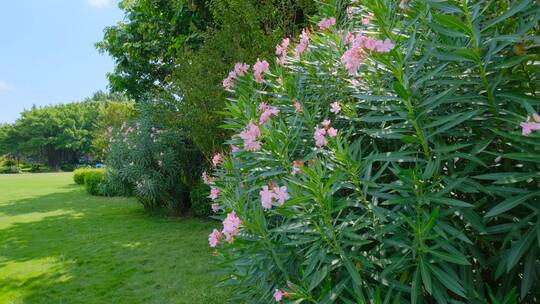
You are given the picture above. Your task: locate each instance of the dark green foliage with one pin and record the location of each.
(152, 159)
(93, 181)
(183, 49)
(200, 203)
(147, 43)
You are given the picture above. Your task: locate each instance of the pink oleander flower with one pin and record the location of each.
(352, 59)
(281, 49)
(281, 195)
(214, 238)
(215, 207)
(367, 19)
(228, 82)
(234, 148)
(250, 136)
(530, 125)
(335, 107)
(217, 159)
(350, 12)
(263, 106)
(349, 38)
(279, 295)
(240, 69)
(326, 123)
(327, 23)
(384, 46)
(403, 4)
(303, 44)
(267, 196)
(332, 132)
(370, 44)
(297, 106)
(267, 113)
(207, 179)
(260, 67)
(231, 226)
(214, 193)
(270, 194)
(320, 138)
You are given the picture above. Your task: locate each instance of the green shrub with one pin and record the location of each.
(10, 170)
(200, 203)
(67, 167)
(93, 181)
(408, 174)
(152, 159)
(79, 174)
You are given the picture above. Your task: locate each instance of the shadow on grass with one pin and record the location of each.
(73, 248)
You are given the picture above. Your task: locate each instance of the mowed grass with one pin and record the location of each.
(60, 245)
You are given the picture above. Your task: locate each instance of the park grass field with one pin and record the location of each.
(60, 245)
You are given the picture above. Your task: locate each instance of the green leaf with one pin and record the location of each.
(452, 22)
(509, 203)
(452, 258)
(451, 202)
(528, 273)
(416, 287)
(508, 177)
(426, 277)
(517, 251)
(447, 280)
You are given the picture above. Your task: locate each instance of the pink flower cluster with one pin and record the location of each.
(335, 107)
(297, 105)
(327, 23)
(214, 238)
(367, 19)
(214, 193)
(259, 68)
(231, 227)
(281, 51)
(217, 159)
(531, 125)
(353, 57)
(250, 136)
(303, 44)
(279, 295)
(269, 194)
(207, 179)
(267, 112)
(240, 69)
(320, 134)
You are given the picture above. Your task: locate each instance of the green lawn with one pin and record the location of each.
(59, 245)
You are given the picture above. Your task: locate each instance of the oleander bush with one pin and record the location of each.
(391, 155)
(152, 160)
(94, 181)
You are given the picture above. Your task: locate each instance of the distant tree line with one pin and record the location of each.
(64, 134)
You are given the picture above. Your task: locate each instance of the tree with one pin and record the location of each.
(181, 51)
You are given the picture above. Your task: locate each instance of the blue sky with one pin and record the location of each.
(47, 53)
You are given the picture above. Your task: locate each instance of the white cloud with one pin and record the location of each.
(99, 3)
(4, 86)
